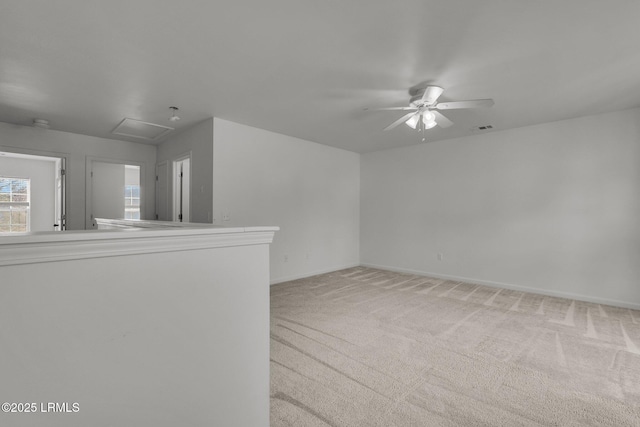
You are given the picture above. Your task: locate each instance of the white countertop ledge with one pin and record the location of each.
(141, 237)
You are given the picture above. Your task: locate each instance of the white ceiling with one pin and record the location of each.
(310, 68)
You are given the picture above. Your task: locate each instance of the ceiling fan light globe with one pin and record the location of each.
(429, 125)
(428, 117)
(413, 121)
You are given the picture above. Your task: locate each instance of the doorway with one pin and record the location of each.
(115, 191)
(32, 193)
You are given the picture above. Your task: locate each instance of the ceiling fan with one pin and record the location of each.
(423, 107)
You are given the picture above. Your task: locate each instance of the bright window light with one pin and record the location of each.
(15, 204)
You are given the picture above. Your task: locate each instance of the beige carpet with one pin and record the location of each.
(366, 347)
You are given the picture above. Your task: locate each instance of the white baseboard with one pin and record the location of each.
(579, 297)
(313, 273)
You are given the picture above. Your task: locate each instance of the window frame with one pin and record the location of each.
(11, 203)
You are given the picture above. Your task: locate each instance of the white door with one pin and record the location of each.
(107, 191)
(181, 190)
(186, 190)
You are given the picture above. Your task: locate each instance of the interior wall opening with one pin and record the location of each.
(32, 193)
(116, 191)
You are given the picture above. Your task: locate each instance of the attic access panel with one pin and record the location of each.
(143, 130)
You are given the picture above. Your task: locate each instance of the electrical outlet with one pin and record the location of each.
(440, 257)
(226, 216)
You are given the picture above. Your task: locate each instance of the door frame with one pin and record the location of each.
(64, 163)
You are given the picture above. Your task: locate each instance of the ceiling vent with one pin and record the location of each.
(485, 127)
(141, 130)
(41, 123)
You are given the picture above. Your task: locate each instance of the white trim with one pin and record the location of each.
(568, 295)
(36, 153)
(312, 273)
(165, 130)
(70, 245)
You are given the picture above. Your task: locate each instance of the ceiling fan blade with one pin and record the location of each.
(400, 121)
(431, 94)
(441, 120)
(396, 108)
(476, 103)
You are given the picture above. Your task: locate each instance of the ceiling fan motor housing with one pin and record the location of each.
(416, 101)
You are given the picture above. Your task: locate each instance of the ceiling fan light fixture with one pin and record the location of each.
(413, 121)
(428, 117)
(423, 105)
(429, 125)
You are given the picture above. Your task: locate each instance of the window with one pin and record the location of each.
(14, 205)
(131, 202)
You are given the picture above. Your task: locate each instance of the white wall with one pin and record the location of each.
(43, 188)
(554, 208)
(309, 190)
(198, 140)
(131, 338)
(76, 148)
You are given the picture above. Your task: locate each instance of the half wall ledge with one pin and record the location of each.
(126, 237)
